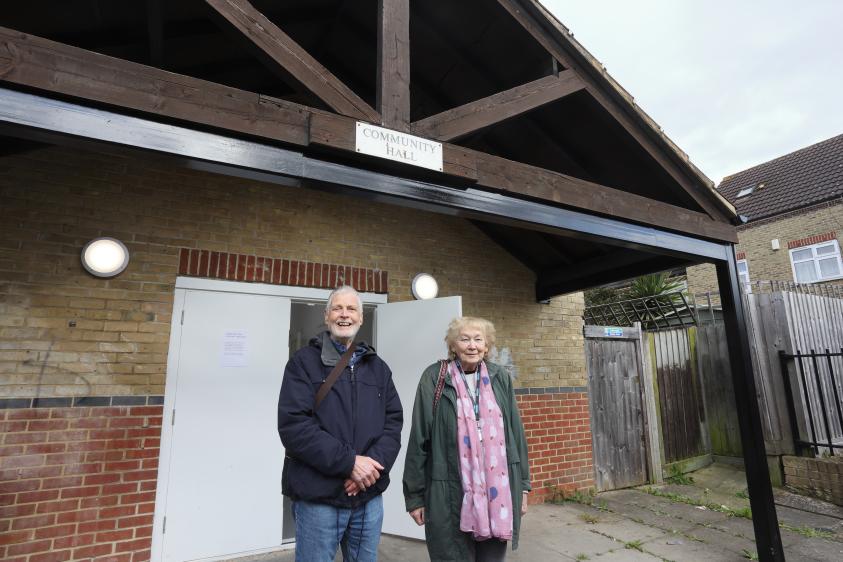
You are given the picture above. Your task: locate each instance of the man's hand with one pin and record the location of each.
(351, 487)
(523, 504)
(366, 472)
(418, 516)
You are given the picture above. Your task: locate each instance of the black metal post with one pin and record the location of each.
(764, 521)
(808, 405)
(834, 388)
(791, 405)
(819, 383)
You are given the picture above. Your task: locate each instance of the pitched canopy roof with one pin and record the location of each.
(808, 176)
(521, 108)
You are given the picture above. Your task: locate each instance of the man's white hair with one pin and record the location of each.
(340, 290)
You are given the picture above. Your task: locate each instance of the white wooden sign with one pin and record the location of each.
(398, 146)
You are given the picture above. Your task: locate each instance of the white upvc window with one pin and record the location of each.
(817, 262)
(743, 272)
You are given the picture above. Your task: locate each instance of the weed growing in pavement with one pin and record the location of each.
(680, 498)
(589, 518)
(559, 495)
(750, 555)
(634, 545)
(745, 512)
(678, 477)
(743, 494)
(582, 556)
(809, 532)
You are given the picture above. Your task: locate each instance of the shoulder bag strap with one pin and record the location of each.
(335, 374)
(440, 384)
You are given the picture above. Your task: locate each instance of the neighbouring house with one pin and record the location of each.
(794, 219)
(251, 157)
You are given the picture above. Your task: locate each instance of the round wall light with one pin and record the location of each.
(105, 257)
(425, 286)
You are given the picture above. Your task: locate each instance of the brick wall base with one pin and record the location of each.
(819, 478)
(559, 441)
(78, 483)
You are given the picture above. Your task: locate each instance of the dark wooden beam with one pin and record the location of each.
(155, 32)
(60, 122)
(461, 53)
(524, 180)
(393, 89)
(293, 59)
(477, 115)
(39, 63)
(68, 71)
(542, 26)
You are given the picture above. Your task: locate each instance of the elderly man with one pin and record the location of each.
(341, 439)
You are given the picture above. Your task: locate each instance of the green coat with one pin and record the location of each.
(432, 467)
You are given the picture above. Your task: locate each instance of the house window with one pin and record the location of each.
(743, 272)
(818, 262)
(745, 192)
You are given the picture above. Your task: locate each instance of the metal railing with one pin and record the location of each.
(662, 312)
(820, 389)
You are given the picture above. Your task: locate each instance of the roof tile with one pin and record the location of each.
(805, 177)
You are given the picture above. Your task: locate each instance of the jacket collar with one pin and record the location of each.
(329, 355)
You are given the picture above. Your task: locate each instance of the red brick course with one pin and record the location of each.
(558, 441)
(276, 271)
(77, 490)
(812, 240)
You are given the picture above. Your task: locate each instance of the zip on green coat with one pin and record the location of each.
(432, 467)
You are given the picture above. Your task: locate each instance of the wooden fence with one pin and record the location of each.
(666, 396)
(788, 321)
(647, 410)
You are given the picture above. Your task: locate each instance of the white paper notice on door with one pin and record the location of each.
(235, 349)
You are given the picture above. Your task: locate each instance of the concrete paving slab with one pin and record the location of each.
(799, 518)
(628, 555)
(814, 550)
(568, 543)
(670, 510)
(668, 530)
(725, 543)
(688, 551)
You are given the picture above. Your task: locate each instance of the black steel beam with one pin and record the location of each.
(764, 520)
(46, 119)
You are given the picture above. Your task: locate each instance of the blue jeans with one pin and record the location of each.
(320, 528)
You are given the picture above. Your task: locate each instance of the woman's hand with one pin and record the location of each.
(524, 497)
(418, 516)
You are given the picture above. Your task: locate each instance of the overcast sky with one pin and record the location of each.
(733, 83)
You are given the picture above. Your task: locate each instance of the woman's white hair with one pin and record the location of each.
(461, 322)
(340, 290)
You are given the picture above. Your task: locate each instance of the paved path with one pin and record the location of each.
(656, 523)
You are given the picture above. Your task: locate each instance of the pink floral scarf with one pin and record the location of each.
(487, 502)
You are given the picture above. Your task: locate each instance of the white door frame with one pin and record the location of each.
(184, 284)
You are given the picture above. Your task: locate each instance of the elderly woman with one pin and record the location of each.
(466, 474)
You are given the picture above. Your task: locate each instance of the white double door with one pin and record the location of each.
(219, 479)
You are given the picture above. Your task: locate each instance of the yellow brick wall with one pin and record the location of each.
(65, 333)
(764, 263)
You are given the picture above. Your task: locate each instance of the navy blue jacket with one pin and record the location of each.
(361, 415)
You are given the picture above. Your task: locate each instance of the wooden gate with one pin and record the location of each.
(684, 435)
(620, 409)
